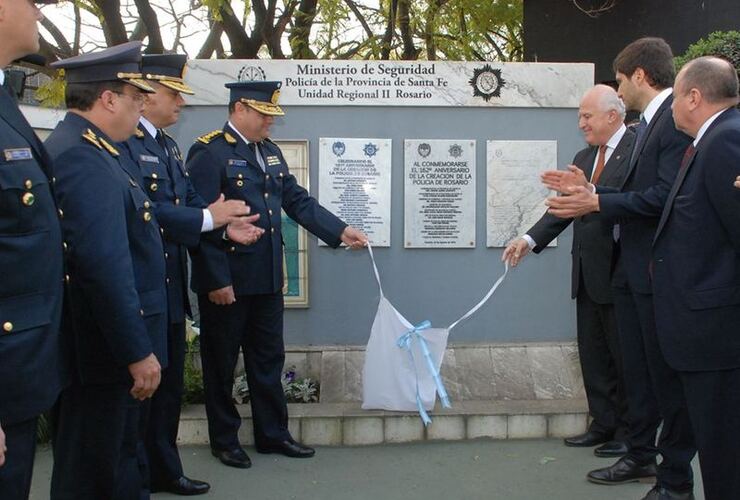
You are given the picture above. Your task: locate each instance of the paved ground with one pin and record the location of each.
(470, 470)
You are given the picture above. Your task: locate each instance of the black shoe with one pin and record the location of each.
(289, 448)
(661, 493)
(184, 486)
(625, 470)
(612, 449)
(233, 458)
(590, 438)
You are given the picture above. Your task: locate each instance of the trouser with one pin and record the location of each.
(654, 392)
(15, 475)
(95, 446)
(601, 365)
(253, 323)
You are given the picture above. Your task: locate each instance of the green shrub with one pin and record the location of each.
(724, 44)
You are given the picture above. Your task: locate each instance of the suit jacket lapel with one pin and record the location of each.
(684, 171)
(662, 109)
(619, 158)
(12, 115)
(588, 166)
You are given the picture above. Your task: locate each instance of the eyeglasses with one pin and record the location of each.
(137, 97)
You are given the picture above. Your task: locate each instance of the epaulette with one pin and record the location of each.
(229, 138)
(207, 138)
(90, 136)
(113, 151)
(139, 133)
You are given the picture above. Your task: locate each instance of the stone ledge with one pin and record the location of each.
(335, 424)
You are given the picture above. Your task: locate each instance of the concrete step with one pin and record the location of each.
(336, 424)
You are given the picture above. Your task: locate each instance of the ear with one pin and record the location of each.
(695, 98)
(108, 100)
(638, 76)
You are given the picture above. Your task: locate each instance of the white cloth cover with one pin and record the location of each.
(389, 378)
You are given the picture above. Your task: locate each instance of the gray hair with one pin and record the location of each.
(610, 101)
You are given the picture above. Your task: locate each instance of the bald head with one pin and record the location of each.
(600, 114)
(704, 87)
(714, 78)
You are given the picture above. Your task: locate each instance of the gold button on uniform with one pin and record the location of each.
(141, 311)
(8, 326)
(272, 229)
(28, 184)
(147, 216)
(64, 245)
(267, 177)
(166, 255)
(147, 204)
(267, 195)
(66, 278)
(167, 280)
(269, 211)
(232, 249)
(154, 176)
(153, 186)
(61, 213)
(177, 201)
(240, 183)
(240, 176)
(28, 199)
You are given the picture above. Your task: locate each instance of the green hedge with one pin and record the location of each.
(725, 44)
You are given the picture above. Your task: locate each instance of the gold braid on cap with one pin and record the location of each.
(163, 77)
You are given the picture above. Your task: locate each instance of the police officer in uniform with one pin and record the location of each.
(32, 372)
(183, 215)
(240, 287)
(117, 299)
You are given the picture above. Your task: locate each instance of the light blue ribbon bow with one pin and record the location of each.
(404, 342)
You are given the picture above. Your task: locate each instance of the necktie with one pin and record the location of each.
(640, 130)
(258, 154)
(162, 142)
(599, 164)
(686, 157)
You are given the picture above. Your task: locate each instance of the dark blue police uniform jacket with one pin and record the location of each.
(32, 370)
(221, 162)
(115, 260)
(178, 209)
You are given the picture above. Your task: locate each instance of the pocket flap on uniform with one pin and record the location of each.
(152, 167)
(23, 312)
(21, 175)
(714, 297)
(153, 302)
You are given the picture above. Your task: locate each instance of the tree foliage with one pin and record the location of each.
(305, 29)
(724, 44)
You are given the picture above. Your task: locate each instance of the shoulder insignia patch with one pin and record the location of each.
(229, 138)
(207, 138)
(90, 137)
(139, 133)
(107, 146)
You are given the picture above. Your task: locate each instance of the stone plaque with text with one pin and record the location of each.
(439, 193)
(515, 195)
(355, 184)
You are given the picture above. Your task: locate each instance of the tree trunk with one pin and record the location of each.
(113, 27)
(149, 17)
(299, 37)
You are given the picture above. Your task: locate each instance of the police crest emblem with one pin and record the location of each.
(338, 148)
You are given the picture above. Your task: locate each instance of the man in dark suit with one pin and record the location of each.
(182, 215)
(696, 269)
(645, 72)
(604, 162)
(117, 300)
(240, 287)
(32, 369)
